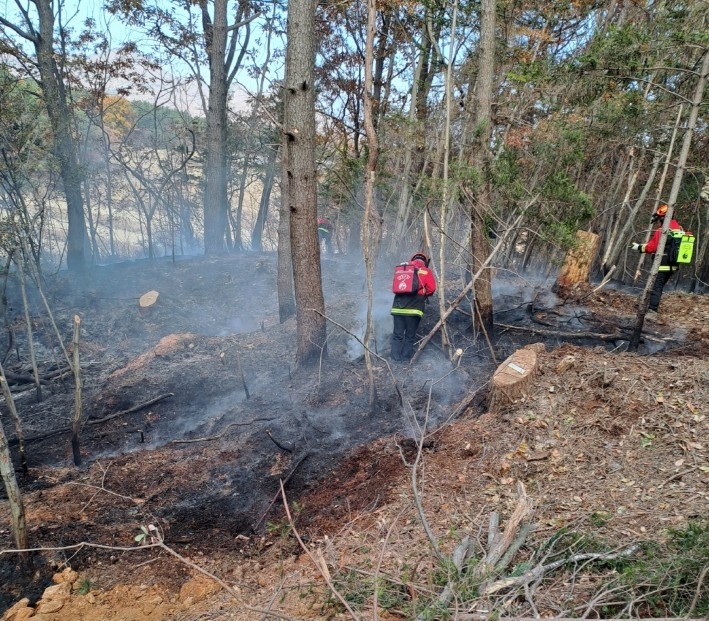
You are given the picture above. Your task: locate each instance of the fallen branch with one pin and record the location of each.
(135, 408)
(222, 432)
(280, 445)
(95, 421)
(23, 378)
(499, 543)
(461, 553)
(540, 570)
(567, 335)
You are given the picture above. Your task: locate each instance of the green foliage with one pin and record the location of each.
(664, 579)
(622, 49)
(561, 190)
(84, 586)
(526, 73)
(358, 590)
(282, 528)
(507, 176)
(464, 174)
(599, 518)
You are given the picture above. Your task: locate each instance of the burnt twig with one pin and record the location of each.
(135, 408)
(302, 458)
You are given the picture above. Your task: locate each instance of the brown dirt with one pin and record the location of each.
(600, 433)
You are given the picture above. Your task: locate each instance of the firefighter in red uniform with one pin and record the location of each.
(666, 269)
(408, 309)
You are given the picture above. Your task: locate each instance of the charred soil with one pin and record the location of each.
(194, 415)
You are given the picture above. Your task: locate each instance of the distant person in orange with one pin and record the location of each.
(666, 268)
(325, 230)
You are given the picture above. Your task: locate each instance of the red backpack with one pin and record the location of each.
(406, 279)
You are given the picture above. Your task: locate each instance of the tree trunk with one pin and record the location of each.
(483, 311)
(215, 189)
(17, 509)
(76, 420)
(371, 226)
(257, 234)
(59, 115)
(284, 280)
(614, 245)
(300, 177)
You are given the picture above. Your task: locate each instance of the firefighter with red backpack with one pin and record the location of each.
(413, 284)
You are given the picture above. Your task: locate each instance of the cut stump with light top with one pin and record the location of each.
(147, 301)
(514, 376)
(578, 262)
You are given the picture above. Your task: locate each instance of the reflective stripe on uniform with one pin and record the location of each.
(407, 311)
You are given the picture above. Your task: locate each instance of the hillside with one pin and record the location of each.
(195, 414)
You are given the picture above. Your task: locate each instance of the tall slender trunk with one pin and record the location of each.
(257, 234)
(371, 223)
(54, 92)
(483, 308)
(215, 189)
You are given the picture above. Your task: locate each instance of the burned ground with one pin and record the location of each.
(205, 460)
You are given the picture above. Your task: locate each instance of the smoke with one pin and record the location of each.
(381, 307)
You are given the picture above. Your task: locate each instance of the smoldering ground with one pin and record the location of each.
(214, 348)
(206, 461)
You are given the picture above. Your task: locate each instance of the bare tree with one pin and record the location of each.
(52, 81)
(204, 28)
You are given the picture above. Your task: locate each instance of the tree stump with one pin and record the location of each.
(147, 301)
(514, 376)
(578, 261)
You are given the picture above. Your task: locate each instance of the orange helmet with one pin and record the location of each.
(421, 257)
(660, 213)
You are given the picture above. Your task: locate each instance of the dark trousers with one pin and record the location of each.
(660, 282)
(404, 336)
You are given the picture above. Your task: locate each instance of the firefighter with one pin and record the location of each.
(408, 310)
(666, 269)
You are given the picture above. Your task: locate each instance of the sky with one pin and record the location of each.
(78, 11)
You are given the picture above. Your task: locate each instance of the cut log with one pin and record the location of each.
(578, 262)
(514, 376)
(147, 301)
